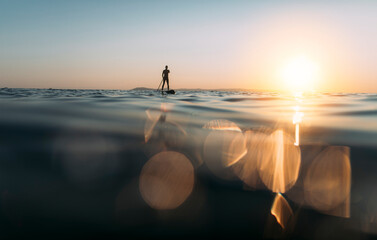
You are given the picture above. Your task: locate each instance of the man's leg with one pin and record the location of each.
(167, 80)
(162, 89)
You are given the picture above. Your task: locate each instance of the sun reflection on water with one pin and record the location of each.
(281, 210)
(262, 158)
(297, 117)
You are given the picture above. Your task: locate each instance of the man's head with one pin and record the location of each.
(166, 67)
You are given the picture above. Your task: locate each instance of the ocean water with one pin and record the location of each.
(136, 163)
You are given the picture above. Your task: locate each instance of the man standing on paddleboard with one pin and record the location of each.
(165, 77)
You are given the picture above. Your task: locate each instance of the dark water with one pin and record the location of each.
(111, 163)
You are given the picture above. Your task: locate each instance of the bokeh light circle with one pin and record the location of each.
(166, 180)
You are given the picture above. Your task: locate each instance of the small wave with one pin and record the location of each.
(332, 105)
(336, 94)
(251, 99)
(358, 113)
(191, 100)
(370, 99)
(208, 109)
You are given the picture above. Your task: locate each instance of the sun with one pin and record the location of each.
(300, 74)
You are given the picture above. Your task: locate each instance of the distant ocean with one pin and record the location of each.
(136, 163)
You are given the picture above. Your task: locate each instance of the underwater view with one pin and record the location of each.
(200, 163)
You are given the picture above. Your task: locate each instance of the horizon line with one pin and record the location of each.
(187, 89)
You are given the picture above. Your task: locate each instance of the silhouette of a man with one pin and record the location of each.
(165, 77)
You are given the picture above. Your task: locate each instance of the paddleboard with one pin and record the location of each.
(169, 92)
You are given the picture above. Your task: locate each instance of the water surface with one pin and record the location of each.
(82, 161)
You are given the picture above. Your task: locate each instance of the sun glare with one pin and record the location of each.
(300, 74)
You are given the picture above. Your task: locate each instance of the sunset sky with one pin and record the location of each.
(206, 44)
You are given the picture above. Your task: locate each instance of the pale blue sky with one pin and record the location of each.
(207, 44)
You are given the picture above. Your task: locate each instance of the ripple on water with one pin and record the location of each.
(251, 99)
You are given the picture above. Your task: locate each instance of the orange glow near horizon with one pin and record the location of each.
(297, 50)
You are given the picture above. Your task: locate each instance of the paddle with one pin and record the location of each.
(159, 85)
